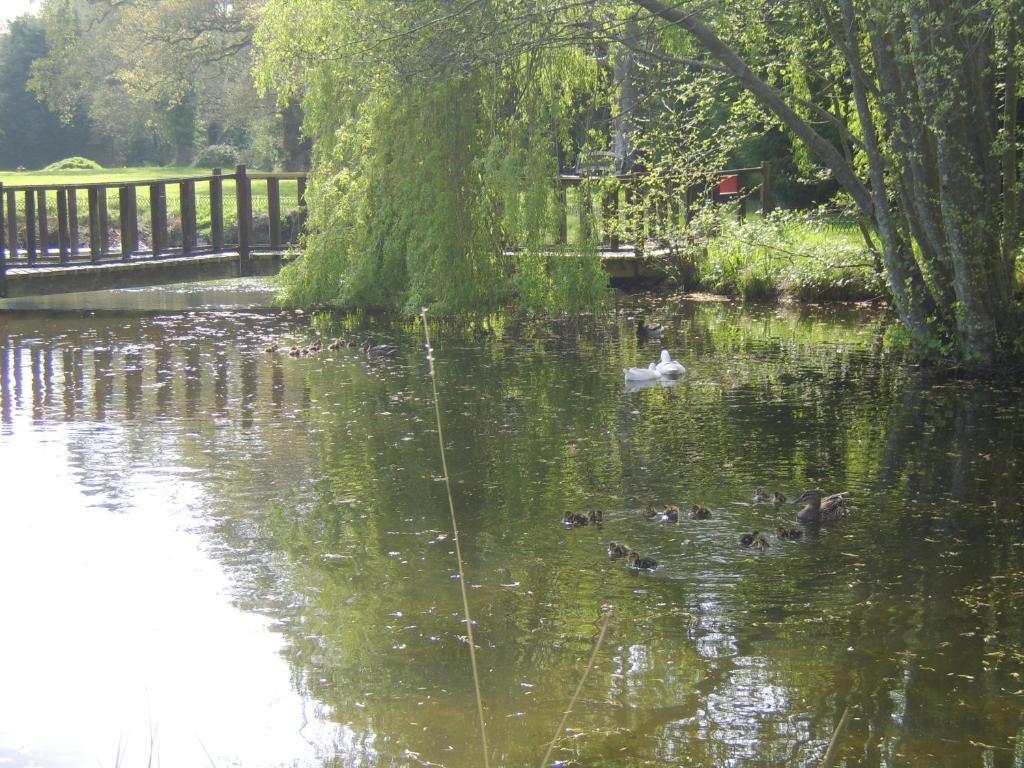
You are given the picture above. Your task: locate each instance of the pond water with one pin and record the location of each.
(215, 555)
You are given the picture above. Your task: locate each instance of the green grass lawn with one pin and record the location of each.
(289, 195)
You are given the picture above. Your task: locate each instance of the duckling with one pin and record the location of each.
(761, 496)
(295, 352)
(749, 538)
(761, 543)
(789, 534)
(316, 346)
(271, 349)
(595, 516)
(616, 550)
(670, 514)
(574, 520)
(818, 509)
(635, 560)
(649, 513)
(778, 498)
(337, 344)
(379, 351)
(700, 512)
(644, 331)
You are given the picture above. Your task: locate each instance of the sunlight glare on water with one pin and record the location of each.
(120, 636)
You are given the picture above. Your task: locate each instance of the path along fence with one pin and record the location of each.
(134, 222)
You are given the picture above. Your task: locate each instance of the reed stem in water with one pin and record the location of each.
(579, 687)
(455, 536)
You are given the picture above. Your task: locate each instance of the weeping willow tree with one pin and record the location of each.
(435, 163)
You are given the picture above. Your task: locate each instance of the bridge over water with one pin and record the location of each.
(128, 238)
(214, 231)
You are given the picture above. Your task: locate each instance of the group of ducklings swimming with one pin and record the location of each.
(367, 347)
(817, 508)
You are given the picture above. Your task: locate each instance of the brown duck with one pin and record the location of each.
(640, 562)
(615, 549)
(700, 512)
(819, 509)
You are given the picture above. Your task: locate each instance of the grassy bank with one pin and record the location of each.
(806, 256)
(289, 195)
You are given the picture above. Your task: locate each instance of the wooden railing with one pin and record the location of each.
(651, 213)
(31, 236)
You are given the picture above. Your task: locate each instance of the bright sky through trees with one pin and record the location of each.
(10, 9)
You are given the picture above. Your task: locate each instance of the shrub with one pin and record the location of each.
(811, 257)
(217, 156)
(74, 164)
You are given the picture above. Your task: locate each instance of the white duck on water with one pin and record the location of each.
(650, 373)
(668, 366)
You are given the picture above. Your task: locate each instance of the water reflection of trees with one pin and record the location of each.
(327, 510)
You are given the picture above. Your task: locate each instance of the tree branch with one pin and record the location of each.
(769, 97)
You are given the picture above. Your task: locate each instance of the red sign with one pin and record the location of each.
(729, 185)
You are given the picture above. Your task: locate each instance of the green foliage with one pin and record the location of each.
(146, 78)
(810, 257)
(435, 190)
(217, 156)
(74, 164)
(30, 135)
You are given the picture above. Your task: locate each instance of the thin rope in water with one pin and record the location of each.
(579, 687)
(455, 535)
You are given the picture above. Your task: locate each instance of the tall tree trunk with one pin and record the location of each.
(984, 313)
(913, 157)
(296, 146)
(913, 302)
(1011, 202)
(625, 119)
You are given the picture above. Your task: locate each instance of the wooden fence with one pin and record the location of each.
(128, 221)
(112, 229)
(633, 210)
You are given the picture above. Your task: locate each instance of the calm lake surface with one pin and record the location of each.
(212, 555)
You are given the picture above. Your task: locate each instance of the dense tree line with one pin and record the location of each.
(137, 83)
(441, 126)
(31, 135)
(912, 108)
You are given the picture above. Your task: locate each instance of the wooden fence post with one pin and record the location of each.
(274, 211)
(12, 223)
(158, 217)
(586, 203)
(188, 217)
(73, 220)
(691, 199)
(610, 214)
(92, 194)
(3, 252)
(673, 205)
(301, 187)
(104, 222)
(216, 212)
(766, 192)
(30, 226)
(63, 228)
(563, 214)
(44, 224)
(243, 203)
(129, 222)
